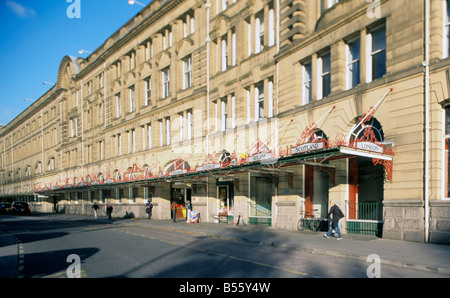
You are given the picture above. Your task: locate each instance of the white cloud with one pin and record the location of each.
(20, 10)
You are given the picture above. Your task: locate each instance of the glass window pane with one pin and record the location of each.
(379, 40)
(379, 65)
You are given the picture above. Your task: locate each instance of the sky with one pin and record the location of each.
(35, 35)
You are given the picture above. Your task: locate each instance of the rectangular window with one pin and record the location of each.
(259, 102)
(100, 113)
(446, 41)
(132, 57)
(181, 117)
(224, 4)
(119, 195)
(167, 131)
(249, 38)
(166, 82)
(149, 136)
(148, 91)
(147, 46)
(161, 133)
(133, 141)
(307, 94)
(192, 21)
(132, 99)
(224, 114)
(353, 63)
(88, 153)
(324, 80)
(118, 109)
(233, 48)
(376, 43)
(248, 106)
(133, 194)
(119, 144)
(270, 98)
(259, 33)
(73, 127)
(233, 111)
(100, 150)
(271, 27)
(187, 72)
(189, 124)
(224, 53)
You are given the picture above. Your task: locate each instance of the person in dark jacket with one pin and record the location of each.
(334, 216)
(109, 210)
(173, 207)
(95, 207)
(148, 209)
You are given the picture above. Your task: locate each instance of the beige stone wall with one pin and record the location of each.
(44, 140)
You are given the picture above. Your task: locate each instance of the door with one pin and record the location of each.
(352, 187)
(261, 198)
(223, 199)
(309, 190)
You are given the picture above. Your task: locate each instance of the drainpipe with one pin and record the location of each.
(426, 63)
(208, 8)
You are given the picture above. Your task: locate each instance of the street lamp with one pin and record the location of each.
(84, 51)
(131, 2)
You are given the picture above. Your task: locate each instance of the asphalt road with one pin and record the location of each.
(50, 246)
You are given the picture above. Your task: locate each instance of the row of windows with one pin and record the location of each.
(185, 132)
(375, 65)
(29, 171)
(100, 196)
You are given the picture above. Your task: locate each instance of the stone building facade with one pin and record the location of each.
(266, 109)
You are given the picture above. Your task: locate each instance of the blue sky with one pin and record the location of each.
(35, 35)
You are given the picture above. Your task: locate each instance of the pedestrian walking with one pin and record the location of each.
(173, 207)
(188, 211)
(148, 209)
(109, 210)
(95, 207)
(334, 216)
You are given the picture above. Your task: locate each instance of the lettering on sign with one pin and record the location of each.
(259, 156)
(369, 147)
(209, 167)
(307, 147)
(178, 172)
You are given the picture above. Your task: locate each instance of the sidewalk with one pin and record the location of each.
(8, 256)
(421, 256)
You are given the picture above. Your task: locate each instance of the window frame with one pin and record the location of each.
(351, 62)
(306, 83)
(371, 53)
(187, 72)
(165, 82)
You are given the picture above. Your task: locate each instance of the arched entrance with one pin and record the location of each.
(365, 182)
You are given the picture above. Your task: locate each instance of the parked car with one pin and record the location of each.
(20, 208)
(4, 208)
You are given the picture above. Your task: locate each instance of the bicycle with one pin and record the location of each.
(313, 223)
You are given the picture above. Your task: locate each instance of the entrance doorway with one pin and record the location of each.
(317, 184)
(180, 195)
(261, 201)
(366, 193)
(225, 193)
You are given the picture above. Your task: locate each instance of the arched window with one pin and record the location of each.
(178, 165)
(317, 136)
(360, 129)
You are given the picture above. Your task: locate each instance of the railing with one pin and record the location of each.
(365, 218)
(365, 211)
(264, 210)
